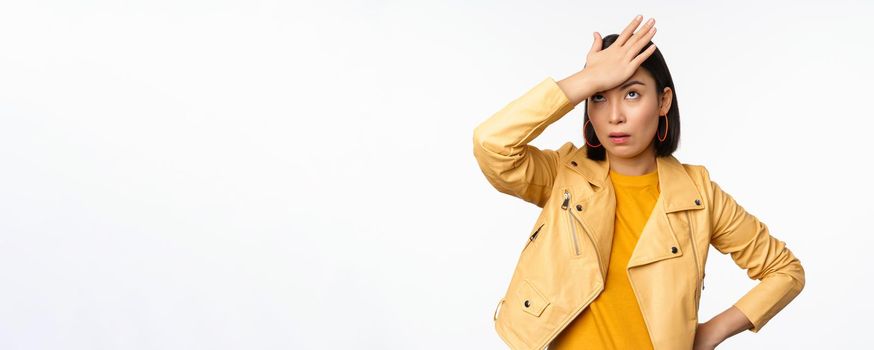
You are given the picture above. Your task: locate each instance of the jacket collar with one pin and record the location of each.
(675, 185)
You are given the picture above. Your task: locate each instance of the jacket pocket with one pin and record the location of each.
(531, 300)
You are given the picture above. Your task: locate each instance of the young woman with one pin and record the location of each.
(616, 258)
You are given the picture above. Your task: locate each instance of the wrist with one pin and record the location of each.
(715, 332)
(578, 87)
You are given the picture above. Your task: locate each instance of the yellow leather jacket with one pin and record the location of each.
(562, 266)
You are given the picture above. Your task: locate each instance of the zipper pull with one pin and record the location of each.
(534, 235)
(567, 199)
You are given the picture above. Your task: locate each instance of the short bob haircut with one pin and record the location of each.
(656, 66)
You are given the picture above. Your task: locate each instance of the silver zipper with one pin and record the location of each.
(564, 206)
(570, 221)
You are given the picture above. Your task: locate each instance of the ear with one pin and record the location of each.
(665, 103)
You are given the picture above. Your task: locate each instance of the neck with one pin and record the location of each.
(643, 163)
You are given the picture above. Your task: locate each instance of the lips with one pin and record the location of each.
(619, 138)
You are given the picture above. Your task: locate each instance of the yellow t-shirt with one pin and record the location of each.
(613, 320)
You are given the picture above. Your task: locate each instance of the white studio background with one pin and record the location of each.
(299, 175)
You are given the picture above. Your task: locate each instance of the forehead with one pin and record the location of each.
(641, 75)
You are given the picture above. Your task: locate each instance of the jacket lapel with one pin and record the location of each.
(677, 193)
(658, 240)
(598, 204)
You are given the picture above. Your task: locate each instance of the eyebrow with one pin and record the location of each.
(627, 84)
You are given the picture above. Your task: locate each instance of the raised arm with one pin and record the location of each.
(501, 146)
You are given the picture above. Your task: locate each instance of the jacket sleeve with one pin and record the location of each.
(501, 149)
(763, 256)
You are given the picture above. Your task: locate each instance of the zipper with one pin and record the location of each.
(585, 229)
(570, 221)
(699, 285)
(564, 206)
(533, 236)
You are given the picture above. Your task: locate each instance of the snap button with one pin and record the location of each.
(579, 207)
(697, 202)
(574, 163)
(674, 250)
(527, 303)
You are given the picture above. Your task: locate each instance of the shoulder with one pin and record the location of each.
(700, 176)
(567, 151)
(696, 171)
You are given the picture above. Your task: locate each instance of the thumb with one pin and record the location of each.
(596, 44)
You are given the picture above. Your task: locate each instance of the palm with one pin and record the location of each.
(611, 66)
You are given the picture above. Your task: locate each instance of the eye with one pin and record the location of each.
(595, 98)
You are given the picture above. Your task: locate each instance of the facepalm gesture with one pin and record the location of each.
(609, 67)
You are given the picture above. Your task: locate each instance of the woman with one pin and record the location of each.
(616, 258)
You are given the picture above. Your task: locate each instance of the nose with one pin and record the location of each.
(616, 114)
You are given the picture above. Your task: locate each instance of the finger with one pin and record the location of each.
(641, 42)
(646, 39)
(626, 33)
(645, 30)
(637, 61)
(596, 43)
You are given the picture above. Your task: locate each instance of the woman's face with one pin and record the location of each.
(633, 109)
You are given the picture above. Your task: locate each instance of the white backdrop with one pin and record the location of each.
(276, 175)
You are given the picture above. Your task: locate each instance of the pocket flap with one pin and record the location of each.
(530, 299)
